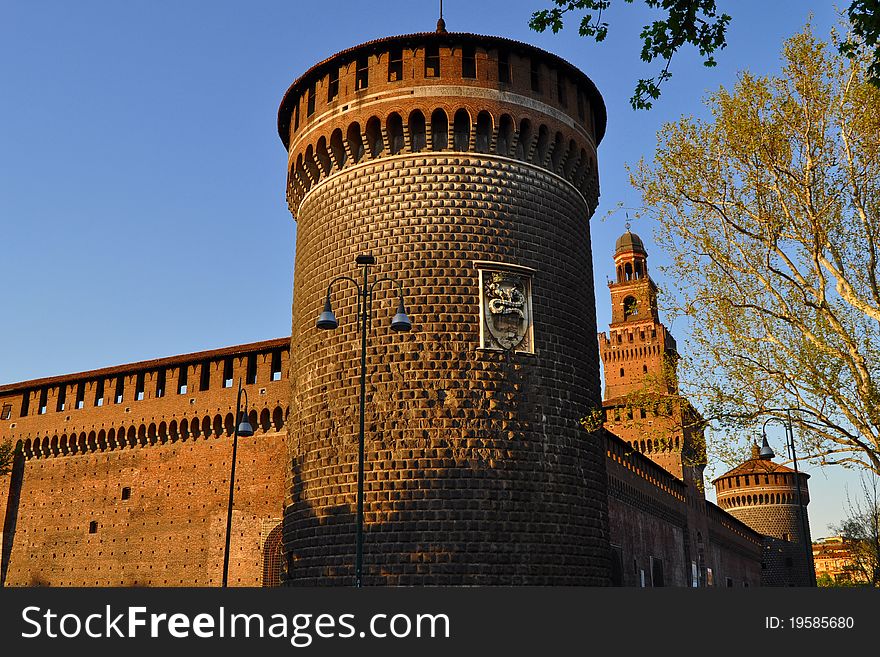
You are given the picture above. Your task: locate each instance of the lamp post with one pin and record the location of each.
(242, 428)
(767, 452)
(327, 321)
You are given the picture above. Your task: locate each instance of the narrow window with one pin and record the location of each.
(227, 373)
(62, 395)
(205, 376)
(139, 387)
(621, 371)
(656, 572)
(644, 369)
(296, 116)
(43, 394)
(580, 102)
(310, 106)
(468, 62)
(80, 394)
(432, 62)
(395, 65)
(536, 76)
(126, 493)
(181, 380)
(93, 527)
(160, 383)
(120, 388)
(362, 76)
(333, 85)
(503, 66)
(560, 89)
(25, 402)
(251, 376)
(99, 392)
(6, 413)
(276, 365)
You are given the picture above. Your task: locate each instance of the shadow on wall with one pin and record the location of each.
(438, 529)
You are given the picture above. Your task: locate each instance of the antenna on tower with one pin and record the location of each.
(441, 24)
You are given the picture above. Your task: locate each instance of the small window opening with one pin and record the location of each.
(395, 65)
(251, 369)
(181, 380)
(93, 527)
(468, 62)
(503, 67)
(43, 395)
(310, 105)
(333, 85)
(25, 402)
(296, 116)
(160, 383)
(139, 387)
(205, 377)
(80, 394)
(120, 388)
(362, 76)
(580, 102)
(535, 76)
(99, 392)
(227, 373)
(560, 90)
(62, 397)
(644, 369)
(126, 492)
(276, 365)
(432, 62)
(6, 413)
(621, 371)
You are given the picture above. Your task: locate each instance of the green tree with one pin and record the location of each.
(770, 212)
(6, 454)
(695, 23)
(861, 532)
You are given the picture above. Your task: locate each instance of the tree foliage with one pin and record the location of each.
(697, 23)
(770, 211)
(6, 454)
(693, 22)
(861, 533)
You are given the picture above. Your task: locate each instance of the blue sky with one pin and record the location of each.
(142, 178)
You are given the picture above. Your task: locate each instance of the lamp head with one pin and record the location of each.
(327, 320)
(766, 452)
(244, 426)
(401, 322)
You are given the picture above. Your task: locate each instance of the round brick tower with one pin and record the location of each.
(467, 166)
(764, 495)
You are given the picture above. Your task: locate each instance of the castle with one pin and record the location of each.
(467, 166)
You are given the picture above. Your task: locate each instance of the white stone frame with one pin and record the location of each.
(527, 346)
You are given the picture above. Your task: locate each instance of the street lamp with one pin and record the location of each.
(767, 453)
(242, 428)
(327, 321)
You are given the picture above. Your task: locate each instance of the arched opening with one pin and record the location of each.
(229, 424)
(218, 426)
(132, 436)
(102, 440)
(394, 127)
(484, 132)
(184, 429)
(630, 307)
(524, 144)
(570, 160)
(337, 148)
(543, 144)
(111, 439)
(312, 165)
(628, 271)
(417, 131)
(558, 153)
(461, 130)
(355, 141)
(265, 420)
(439, 130)
(374, 137)
(505, 135)
(323, 156)
(272, 554)
(278, 418)
(54, 446)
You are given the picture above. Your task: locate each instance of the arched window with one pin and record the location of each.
(505, 135)
(394, 127)
(337, 148)
(439, 130)
(323, 158)
(628, 271)
(355, 142)
(312, 165)
(524, 144)
(558, 152)
(484, 132)
(417, 131)
(461, 130)
(374, 137)
(543, 145)
(630, 307)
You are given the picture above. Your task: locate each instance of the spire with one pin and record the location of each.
(441, 24)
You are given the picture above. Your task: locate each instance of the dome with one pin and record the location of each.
(629, 241)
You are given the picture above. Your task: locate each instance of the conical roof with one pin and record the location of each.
(627, 242)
